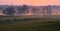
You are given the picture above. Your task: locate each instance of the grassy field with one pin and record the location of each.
(30, 24)
(35, 26)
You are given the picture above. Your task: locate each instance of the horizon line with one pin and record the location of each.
(28, 5)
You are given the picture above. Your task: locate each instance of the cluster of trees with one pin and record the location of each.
(22, 9)
(11, 10)
(25, 9)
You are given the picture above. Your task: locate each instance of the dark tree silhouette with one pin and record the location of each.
(49, 10)
(25, 7)
(20, 10)
(9, 11)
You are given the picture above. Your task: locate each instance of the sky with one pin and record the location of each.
(30, 2)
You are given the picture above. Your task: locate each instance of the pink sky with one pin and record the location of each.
(30, 2)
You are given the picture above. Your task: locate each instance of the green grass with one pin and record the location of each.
(29, 24)
(34, 26)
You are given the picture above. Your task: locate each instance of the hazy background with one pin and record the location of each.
(31, 2)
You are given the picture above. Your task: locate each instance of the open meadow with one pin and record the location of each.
(29, 23)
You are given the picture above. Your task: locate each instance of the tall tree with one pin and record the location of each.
(25, 7)
(49, 10)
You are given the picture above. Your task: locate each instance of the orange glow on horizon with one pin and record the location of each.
(30, 2)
